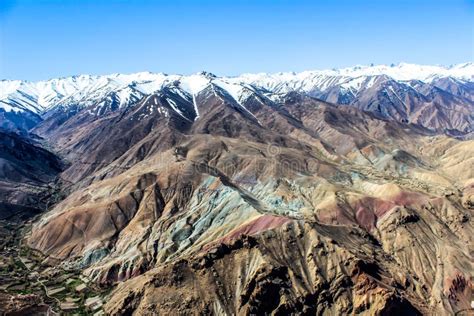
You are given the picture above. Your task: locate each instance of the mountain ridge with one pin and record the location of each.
(79, 82)
(438, 98)
(342, 70)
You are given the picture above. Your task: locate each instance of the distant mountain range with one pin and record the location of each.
(434, 97)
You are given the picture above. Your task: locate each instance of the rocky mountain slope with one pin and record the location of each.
(209, 196)
(302, 204)
(26, 173)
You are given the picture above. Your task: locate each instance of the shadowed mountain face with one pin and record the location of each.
(244, 203)
(13, 121)
(26, 171)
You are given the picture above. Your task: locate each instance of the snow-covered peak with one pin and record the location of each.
(194, 84)
(406, 71)
(321, 78)
(84, 90)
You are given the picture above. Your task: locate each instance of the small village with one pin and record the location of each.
(24, 271)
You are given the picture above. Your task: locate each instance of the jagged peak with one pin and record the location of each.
(207, 74)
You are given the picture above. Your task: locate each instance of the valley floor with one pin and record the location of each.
(30, 285)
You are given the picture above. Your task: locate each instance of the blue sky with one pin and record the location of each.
(46, 39)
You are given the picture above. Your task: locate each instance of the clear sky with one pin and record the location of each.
(46, 39)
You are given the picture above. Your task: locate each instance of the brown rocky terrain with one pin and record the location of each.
(257, 206)
(27, 172)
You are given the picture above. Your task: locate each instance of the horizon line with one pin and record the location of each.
(391, 65)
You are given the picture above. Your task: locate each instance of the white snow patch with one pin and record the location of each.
(176, 109)
(8, 108)
(195, 107)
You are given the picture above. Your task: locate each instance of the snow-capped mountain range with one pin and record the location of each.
(382, 89)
